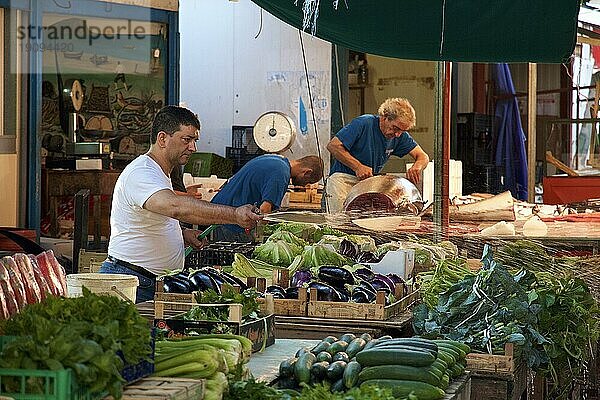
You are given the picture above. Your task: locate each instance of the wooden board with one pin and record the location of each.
(362, 311)
(494, 363)
(171, 5)
(90, 261)
(459, 388)
(163, 389)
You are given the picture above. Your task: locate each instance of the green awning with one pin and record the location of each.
(541, 31)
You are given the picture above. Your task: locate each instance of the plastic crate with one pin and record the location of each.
(207, 164)
(218, 254)
(58, 385)
(143, 369)
(240, 156)
(242, 137)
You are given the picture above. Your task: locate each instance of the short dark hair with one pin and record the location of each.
(316, 165)
(170, 119)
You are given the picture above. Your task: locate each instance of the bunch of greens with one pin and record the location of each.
(277, 252)
(243, 267)
(364, 242)
(569, 319)
(486, 311)
(84, 333)
(229, 295)
(308, 232)
(446, 273)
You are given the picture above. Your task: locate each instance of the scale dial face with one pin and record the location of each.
(274, 132)
(77, 95)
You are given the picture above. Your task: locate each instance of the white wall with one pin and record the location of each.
(229, 77)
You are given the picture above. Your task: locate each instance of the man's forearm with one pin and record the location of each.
(342, 155)
(200, 212)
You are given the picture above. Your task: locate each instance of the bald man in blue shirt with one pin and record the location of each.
(362, 148)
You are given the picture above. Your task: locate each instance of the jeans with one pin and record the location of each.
(146, 288)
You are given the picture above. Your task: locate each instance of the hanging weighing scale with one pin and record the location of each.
(274, 132)
(76, 123)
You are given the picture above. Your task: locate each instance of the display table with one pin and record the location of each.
(570, 189)
(264, 366)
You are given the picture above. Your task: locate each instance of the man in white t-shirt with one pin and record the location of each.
(145, 238)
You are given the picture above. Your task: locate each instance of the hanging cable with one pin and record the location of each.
(260, 26)
(443, 28)
(312, 109)
(339, 89)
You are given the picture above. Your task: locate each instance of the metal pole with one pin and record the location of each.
(531, 131)
(441, 149)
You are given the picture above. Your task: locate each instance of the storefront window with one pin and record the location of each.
(103, 80)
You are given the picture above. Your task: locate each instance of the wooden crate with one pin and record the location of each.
(90, 261)
(163, 389)
(368, 311)
(495, 363)
(486, 385)
(459, 388)
(286, 307)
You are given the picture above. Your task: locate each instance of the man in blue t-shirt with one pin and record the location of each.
(263, 182)
(362, 148)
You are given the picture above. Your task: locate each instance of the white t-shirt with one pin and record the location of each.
(139, 236)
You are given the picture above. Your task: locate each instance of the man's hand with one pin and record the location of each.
(363, 172)
(247, 216)
(190, 238)
(414, 173)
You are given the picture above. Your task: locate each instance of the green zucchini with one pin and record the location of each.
(319, 370)
(400, 388)
(399, 372)
(416, 342)
(303, 366)
(452, 351)
(374, 357)
(286, 368)
(445, 381)
(301, 351)
(456, 370)
(340, 356)
(338, 346)
(322, 346)
(459, 352)
(324, 356)
(366, 337)
(407, 346)
(336, 370)
(446, 357)
(351, 374)
(355, 346)
(348, 337)
(463, 346)
(371, 344)
(330, 339)
(338, 386)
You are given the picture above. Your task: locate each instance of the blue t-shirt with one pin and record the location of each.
(264, 178)
(364, 140)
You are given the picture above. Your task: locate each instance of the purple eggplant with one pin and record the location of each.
(348, 249)
(203, 281)
(174, 284)
(292, 292)
(388, 281)
(277, 291)
(366, 257)
(215, 274)
(364, 274)
(359, 297)
(335, 276)
(378, 284)
(234, 280)
(300, 278)
(325, 292)
(367, 286)
(398, 279)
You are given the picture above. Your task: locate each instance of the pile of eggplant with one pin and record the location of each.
(340, 284)
(199, 280)
(351, 250)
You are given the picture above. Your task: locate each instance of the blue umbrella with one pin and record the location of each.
(510, 144)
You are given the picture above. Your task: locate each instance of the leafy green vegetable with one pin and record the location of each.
(229, 295)
(278, 252)
(317, 255)
(364, 242)
(84, 333)
(288, 237)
